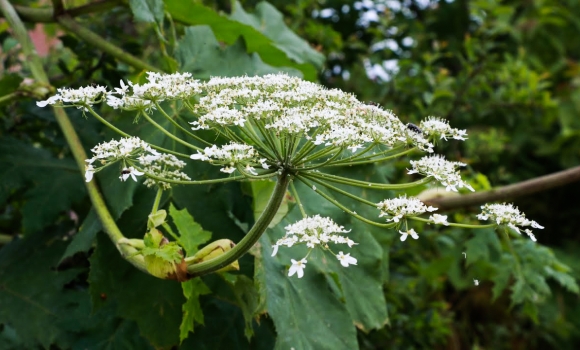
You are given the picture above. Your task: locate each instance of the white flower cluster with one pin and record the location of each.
(162, 165)
(81, 97)
(232, 155)
(507, 214)
(133, 150)
(315, 231)
(290, 106)
(397, 208)
(438, 127)
(159, 87)
(442, 170)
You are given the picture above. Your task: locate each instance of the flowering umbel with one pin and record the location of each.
(277, 126)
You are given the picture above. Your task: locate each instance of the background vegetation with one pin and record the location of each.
(506, 71)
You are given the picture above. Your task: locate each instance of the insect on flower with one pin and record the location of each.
(414, 128)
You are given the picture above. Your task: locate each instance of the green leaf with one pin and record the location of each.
(33, 296)
(83, 240)
(45, 196)
(484, 244)
(306, 313)
(157, 218)
(270, 22)
(192, 312)
(261, 192)
(149, 11)
(246, 298)
(201, 54)
(9, 84)
(229, 31)
(168, 252)
(154, 304)
(191, 234)
(354, 293)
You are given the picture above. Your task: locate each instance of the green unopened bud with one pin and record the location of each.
(156, 219)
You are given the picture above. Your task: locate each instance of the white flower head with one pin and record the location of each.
(159, 87)
(442, 170)
(231, 155)
(439, 128)
(81, 97)
(316, 231)
(405, 234)
(346, 259)
(297, 268)
(132, 151)
(508, 215)
(476, 282)
(397, 208)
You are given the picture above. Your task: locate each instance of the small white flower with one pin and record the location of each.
(441, 170)
(297, 268)
(346, 260)
(89, 172)
(397, 208)
(439, 219)
(405, 234)
(476, 282)
(130, 171)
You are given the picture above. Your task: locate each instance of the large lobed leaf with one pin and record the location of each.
(277, 47)
(321, 310)
(46, 196)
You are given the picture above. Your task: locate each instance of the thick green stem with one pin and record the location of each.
(251, 237)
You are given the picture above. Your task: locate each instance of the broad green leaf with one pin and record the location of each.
(154, 304)
(482, 246)
(149, 11)
(41, 306)
(306, 313)
(229, 31)
(83, 240)
(269, 21)
(192, 312)
(33, 297)
(223, 329)
(191, 234)
(356, 290)
(201, 54)
(45, 196)
(246, 297)
(8, 84)
(261, 192)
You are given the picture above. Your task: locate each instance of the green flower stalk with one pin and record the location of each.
(278, 127)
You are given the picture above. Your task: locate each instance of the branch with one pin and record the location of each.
(46, 14)
(99, 42)
(528, 187)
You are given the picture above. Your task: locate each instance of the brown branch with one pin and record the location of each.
(523, 188)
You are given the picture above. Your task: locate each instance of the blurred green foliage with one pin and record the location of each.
(506, 71)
